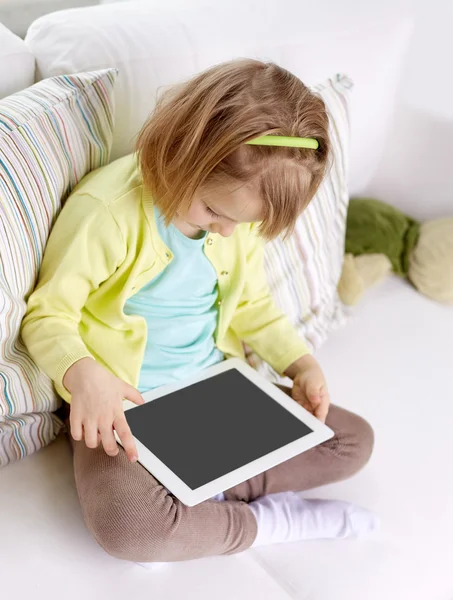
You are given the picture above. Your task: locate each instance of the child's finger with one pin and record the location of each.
(134, 395)
(90, 434)
(308, 406)
(75, 425)
(305, 404)
(125, 435)
(297, 393)
(108, 440)
(320, 414)
(314, 396)
(315, 392)
(323, 408)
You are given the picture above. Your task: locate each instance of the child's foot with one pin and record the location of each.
(286, 517)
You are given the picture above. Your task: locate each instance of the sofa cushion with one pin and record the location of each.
(51, 135)
(154, 44)
(17, 63)
(392, 365)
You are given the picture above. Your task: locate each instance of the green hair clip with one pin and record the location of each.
(287, 141)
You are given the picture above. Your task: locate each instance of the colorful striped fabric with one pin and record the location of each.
(51, 135)
(304, 270)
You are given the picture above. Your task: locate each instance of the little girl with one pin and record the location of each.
(154, 270)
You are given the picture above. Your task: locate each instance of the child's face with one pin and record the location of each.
(220, 210)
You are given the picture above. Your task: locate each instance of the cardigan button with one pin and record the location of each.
(224, 273)
(209, 241)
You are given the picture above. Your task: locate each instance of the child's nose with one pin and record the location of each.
(227, 229)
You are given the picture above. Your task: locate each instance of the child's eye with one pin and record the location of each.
(212, 213)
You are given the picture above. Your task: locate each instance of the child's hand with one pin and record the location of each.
(97, 407)
(310, 387)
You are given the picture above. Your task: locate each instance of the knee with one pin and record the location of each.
(352, 444)
(361, 443)
(109, 525)
(125, 529)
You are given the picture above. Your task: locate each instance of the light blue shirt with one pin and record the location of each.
(180, 310)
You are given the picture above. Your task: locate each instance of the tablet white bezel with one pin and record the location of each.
(320, 433)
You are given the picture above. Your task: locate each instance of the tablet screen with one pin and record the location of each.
(213, 427)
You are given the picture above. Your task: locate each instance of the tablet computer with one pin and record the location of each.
(202, 436)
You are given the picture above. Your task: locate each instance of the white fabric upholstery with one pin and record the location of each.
(17, 63)
(153, 47)
(18, 14)
(392, 364)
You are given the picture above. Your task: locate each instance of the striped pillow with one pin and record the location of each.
(51, 135)
(304, 270)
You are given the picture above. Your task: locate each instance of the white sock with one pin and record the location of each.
(219, 497)
(286, 517)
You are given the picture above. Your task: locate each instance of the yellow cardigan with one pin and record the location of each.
(103, 248)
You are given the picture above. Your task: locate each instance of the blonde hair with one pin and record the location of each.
(196, 137)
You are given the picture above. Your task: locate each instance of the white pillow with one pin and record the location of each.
(17, 63)
(154, 47)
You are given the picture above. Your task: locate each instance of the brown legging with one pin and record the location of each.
(132, 516)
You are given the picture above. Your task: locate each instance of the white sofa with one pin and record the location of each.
(17, 15)
(391, 363)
